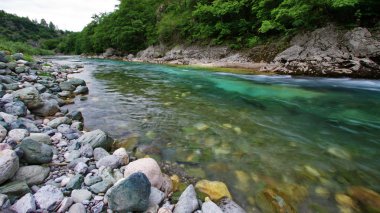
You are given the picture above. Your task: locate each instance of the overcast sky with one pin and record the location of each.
(70, 15)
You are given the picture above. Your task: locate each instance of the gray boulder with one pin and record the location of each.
(96, 138)
(77, 82)
(17, 108)
(33, 175)
(210, 207)
(30, 97)
(187, 202)
(58, 121)
(129, 195)
(228, 205)
(80, 195)
(100, 153)
(40, 137)
(18, 134)
(67, 86)
(81, 90)
(18, 56)
(75, 182)
(48, 197)
(8, 164)
(109, 161)
(101, 187)
(35, 152)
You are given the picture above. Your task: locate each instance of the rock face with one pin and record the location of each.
(187, 202)
(33, 175)
(30, 97)
(130, 194)
(35, 152)
(331, 52)
(149, 167)
(8, 164)
(48, 197)
(96, 138)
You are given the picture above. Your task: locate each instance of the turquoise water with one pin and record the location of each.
(253, 132)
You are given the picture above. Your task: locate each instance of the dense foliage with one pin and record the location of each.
(135, 24)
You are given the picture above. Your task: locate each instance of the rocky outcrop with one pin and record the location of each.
(331, 52)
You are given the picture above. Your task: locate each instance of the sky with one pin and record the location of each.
(71, 15)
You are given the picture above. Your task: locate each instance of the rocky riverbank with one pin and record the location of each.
(326, 52)
(49, 164)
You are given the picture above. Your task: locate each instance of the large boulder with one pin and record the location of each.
(130, 194)
(35, 152)
(33, 175)
(67, 86)
(30, 97)
(149, 167)
(8, 164)
(96, 138)
(77, 82)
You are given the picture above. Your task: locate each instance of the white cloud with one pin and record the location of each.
(67, 14)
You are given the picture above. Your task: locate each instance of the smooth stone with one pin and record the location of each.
(90, 180)
(214, 189)
(72, 155)
(18, 134)
(64, 94)
(40, 137)
(81, 168)
(15, 188)
(96, 138)
(66, 86)
(187, 202)
(75, 182)
(101, 187)
(48, 108)
(58, 121)
(81, 90)
(149, 167)
(227, 205)
(156, 196)
(80, 195)
(77, 82)
(210, 207)
(7, 117)
(17, 108)
(87, 151)
(26, 204)
(99, 153)
(30, 96)
(74, 163)
(3, 133)
(122, 154)
(77, 208)
(35, 152)
(9, 164)
(65, 129)
(65, 204)
(33, 175)
(130, 194)
(109, 161)
(48, 197)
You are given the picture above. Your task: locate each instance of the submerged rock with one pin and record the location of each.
(130, 194)
(8, 164)
(214, 189)
(368, 199)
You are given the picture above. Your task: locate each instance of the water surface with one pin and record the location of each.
(250, 131)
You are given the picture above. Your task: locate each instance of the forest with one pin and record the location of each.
(136, 24)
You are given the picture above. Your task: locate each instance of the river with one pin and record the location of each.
(314, 136)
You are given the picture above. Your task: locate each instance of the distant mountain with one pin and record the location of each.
(21, 29)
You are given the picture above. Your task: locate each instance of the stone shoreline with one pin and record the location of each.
(49, 164)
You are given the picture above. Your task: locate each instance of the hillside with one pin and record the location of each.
(136, 24)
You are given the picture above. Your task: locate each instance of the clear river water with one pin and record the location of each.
(309, 138)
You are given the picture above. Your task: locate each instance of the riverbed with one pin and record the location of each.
(309, 138)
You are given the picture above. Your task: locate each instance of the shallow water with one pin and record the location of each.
(249, 131)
